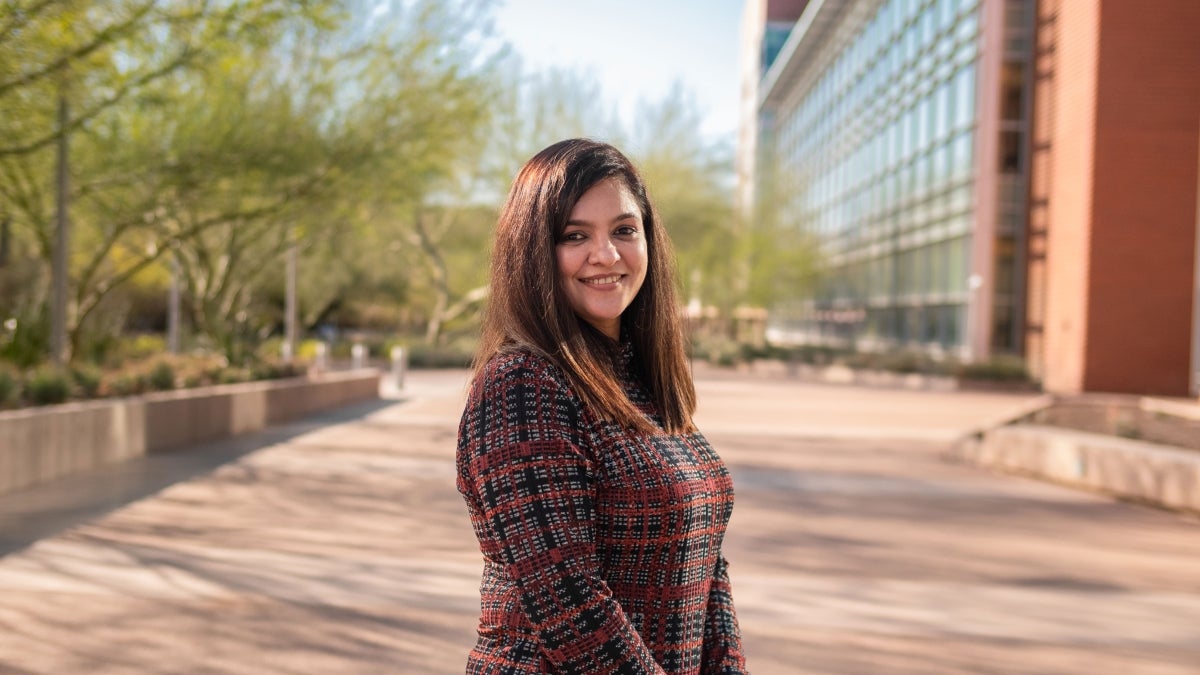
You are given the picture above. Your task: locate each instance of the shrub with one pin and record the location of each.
(717, 350)
(748, 352)
(307, 350)
(274, 369)
(142, 346)
(10, 385)
(863, 360)
(269, 349)
(817, 355)
(161, 376)
(905, 362)
(424, 356)
(47, 385)
(23, 340)
(997, 369)
(125, 383)
(87, 379)
(233, 376)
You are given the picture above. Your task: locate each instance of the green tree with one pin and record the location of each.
(532, 109)
(422, 109)
(689, 179)
(779, 256)
(215, 135)
(113, 63)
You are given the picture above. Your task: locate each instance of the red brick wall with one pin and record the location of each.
(1144, 214)
(1114, 195)
(1061, 180)
(1040, 169)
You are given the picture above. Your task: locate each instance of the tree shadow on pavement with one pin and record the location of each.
(46, 509)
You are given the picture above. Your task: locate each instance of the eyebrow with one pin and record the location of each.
(623, 216)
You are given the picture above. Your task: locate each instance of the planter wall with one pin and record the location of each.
(1137, 470)
(40, 444)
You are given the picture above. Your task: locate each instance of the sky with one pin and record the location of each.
(637, 48)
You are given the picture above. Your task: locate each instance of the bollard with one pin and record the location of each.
(399, 366)
(321, 364)
(358, 353)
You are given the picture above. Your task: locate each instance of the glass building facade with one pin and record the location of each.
(872, 122)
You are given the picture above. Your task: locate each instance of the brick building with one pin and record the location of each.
(990, 177)
(1113, 210)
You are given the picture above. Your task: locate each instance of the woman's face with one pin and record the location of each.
(602, 255)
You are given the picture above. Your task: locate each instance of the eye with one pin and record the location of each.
(574, 235)
(627, 230)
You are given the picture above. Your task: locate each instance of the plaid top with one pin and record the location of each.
(602, 547)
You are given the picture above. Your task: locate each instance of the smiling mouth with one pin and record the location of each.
(602, 281)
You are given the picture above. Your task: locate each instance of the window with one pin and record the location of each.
(941, 166)
(947, 11)
(1011, 91)
(937, 268)
(962, 155)
(957, 263)
(1010, 151)
(964, 97)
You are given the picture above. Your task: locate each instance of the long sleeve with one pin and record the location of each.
(723, 653)
(522, 468)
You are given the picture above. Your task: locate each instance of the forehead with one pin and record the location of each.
(610, 194)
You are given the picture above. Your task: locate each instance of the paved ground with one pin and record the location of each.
(340, 546)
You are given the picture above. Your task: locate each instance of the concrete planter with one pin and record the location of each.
(40, 444)
(1136, 470)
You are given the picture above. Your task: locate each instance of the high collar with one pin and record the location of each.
(620, 350)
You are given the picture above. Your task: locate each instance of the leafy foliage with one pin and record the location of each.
(374, 139)
(48, 385)
(208, 138)
(10, 385)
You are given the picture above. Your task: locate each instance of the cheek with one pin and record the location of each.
(643, 257)
(562, 261)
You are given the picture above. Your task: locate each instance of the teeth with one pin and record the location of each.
(603, 280)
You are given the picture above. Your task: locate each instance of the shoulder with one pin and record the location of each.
(521, 384)
(520, 368)
(521, 396)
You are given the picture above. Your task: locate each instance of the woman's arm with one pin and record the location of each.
(535, 488)
(723, 653)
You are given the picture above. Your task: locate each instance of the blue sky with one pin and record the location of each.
(637, 48)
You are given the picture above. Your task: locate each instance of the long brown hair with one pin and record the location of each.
(528, 308)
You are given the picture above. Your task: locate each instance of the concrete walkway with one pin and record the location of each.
(340, 546)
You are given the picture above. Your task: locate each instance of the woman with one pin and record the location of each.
(599, 508)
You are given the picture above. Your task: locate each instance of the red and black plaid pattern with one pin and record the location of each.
(602, 548)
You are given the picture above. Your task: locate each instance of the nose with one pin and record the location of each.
(603, 252)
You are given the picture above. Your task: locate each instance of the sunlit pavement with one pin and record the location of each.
(341, 546)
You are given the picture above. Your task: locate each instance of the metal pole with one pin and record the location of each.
(399, 366)
(290, 318)
(173, 308)
(58, 317)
